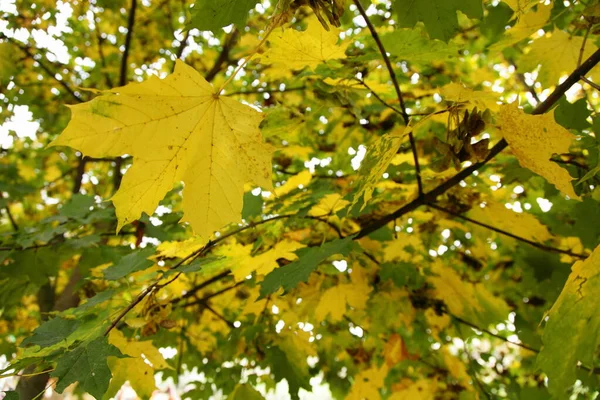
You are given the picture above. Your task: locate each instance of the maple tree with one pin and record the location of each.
(364, 199)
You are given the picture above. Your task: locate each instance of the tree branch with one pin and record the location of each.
(27, 50)
(431, 196)
(223, 55)
(511, 235)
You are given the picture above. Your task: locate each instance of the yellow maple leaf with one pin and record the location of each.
(523, 224)
(301, 179)
(534, 139)
(334, 300)
(179, 249)
(293, 49)
(328, 205)
(527, 24)
(460, 94)
(133, 370)
(191, 134)
(557, 54)
(520, 6)
(422, 389)
(367, 384)
(470, 301)
(138, 349)
(265, 262)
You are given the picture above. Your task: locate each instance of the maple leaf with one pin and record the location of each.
(295, 49)
(367, 383)
(378, 158)
(527, 24)
(472, 302)
(534, 139)
(211, 15)
(524, 224)
(309, 259)
(572, 332)
(87, 365)
(439, 16)
(192, 134)
(414, 46)
(557, 54)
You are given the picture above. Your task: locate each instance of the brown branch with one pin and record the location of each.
(80, 171)
(223, 56)
(204, 299)
(201, 286)
(505, 233)
(128, 36)
(382, 101)
(431, 196)
(103, 63)
(12, 220)
(218, 315)
(592, 84)
(392, 73)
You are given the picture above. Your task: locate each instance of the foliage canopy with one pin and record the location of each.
(366, 199)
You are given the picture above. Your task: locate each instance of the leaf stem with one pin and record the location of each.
(247, 60)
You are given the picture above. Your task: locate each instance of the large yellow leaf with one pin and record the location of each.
(470, 301)
(295, 49)
(534, 139)
(524, 225)
(557, 54)
(176, 129)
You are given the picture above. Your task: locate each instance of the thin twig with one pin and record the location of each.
(218, 315)
(27, 50)
(585, 38)
(592, 84)
(382, 101)
(392, 73)
(505, 233)
(497, 336)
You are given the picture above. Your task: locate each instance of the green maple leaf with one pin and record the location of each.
(212, 15)
(129, 264)
(439, 16)
(52, 332)
(309, 258)
(284, 368)
(572, 332)
(86, 364)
